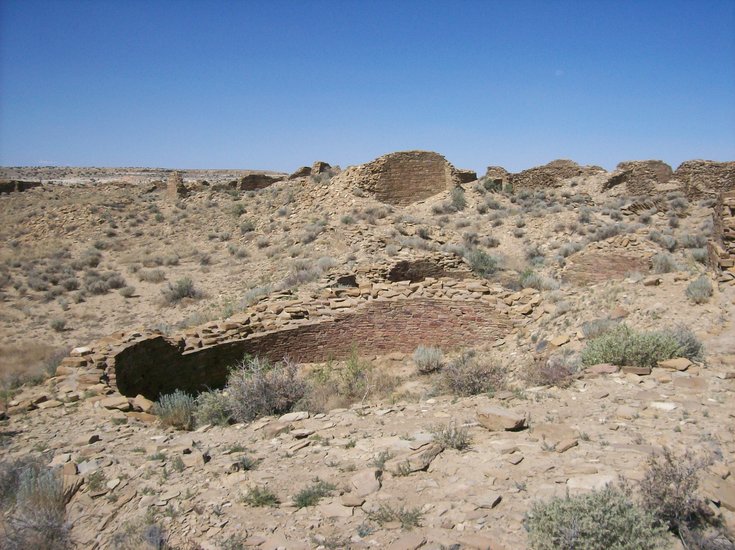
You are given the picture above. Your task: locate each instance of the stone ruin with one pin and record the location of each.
(372, 318)
(175, 188)
(11, 186)
(539, 177)
(722, 247)
(640, 177)
(700, 178)
(402, 178)
(254, 182)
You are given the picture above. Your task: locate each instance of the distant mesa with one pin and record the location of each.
(404, 177)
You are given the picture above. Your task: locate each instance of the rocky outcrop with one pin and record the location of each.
(701, 178)
(402, 178)
(639, 176)
(466, 176)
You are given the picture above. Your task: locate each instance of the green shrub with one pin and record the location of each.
(176, 409)
(212, 407)
(471, 375)
(260, 496)
(183, 288)
(407, 517)
(689, 345)
(428, 359)
(606, 518)
(459, 202)
(482, 263)
(700, 255)
(625, 346)
(58, 324)
(700, 290)
(311, 495)
(127, 291)
(258, 388)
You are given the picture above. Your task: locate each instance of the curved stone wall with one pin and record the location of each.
(155, 365)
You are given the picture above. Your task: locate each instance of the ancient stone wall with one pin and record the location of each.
(701, 178)
(10, 186)
(253, 182)
(639, 176)
(402, 178)
(175, 187)
(722, 246)
(548, 175)
(154, 366)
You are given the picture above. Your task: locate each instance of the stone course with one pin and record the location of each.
(722, 247)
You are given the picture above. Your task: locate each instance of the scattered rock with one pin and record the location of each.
(499, 419)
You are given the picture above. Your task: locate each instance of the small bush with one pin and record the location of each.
(428, 359)
(700, 290)
(666, 242)
(58, 324)
(669, 489)
(37, 518)
(407, 517)
(663, 263)
(183, 288)
(459, 202)
(598, 327)
(127, 291)
(482, 263)
(606, 518)
(555, 370)
(260, 496)
(689, 345)
(212, 407)
(700, 255)
(258, 388)
(312, 494)
(152, 275)
(471, 375)
(693, 241)
(452, 436)
(625, 346)
(176, 409)
(247, 227)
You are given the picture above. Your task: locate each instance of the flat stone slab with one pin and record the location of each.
(497, 419)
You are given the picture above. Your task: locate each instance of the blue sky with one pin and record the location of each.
(278, 84)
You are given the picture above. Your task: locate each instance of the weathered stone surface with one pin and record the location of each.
(499, 419)
(119, 402)
(639, 176)
(366, 482)
(414, 462)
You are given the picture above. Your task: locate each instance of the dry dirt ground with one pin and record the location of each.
(80, 259)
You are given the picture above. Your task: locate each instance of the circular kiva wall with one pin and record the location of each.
(154, 366)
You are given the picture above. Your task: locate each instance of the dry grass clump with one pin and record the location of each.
(152, 275)
(663, 263)
(452, 436)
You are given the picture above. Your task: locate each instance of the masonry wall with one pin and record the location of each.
(154, 366)
(408, 177)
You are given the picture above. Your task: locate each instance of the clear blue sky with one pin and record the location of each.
(271, 84)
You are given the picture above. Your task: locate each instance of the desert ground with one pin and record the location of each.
(447, 353)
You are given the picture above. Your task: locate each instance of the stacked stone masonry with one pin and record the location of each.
(377, 317)
(722, 247)
(402, 178)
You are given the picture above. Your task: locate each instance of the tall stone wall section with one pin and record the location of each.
(155, 366)
(402, 178)
(701, 178)
(721, 248)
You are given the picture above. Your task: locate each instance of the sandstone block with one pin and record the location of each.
(499, 419)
